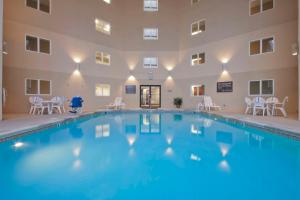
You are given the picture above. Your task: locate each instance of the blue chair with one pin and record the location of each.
(76, 104)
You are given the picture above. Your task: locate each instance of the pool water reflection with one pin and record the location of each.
(150, 156)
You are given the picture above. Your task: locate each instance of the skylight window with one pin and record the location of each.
(198, 27)
(102, 26)
(151, 5)
(150, 34)
(151, 62)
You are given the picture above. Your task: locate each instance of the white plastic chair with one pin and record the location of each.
(271, 101)
(118, 104)
(281, 106)
(260, 105)
(208, 104)
(37, 105)
(58, 104)
(249, 104)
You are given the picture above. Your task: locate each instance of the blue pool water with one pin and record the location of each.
(141, 156)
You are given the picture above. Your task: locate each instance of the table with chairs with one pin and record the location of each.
(38, 105)
(266, 106)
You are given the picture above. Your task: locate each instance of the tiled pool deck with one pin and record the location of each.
(16, 125)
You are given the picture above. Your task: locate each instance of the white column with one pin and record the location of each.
(1, 54)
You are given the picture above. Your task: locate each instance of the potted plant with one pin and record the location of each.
(178, 102)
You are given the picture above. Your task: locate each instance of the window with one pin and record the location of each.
(102, 90)
(107, 1)
(102, 26)
(266, 45)
(195, 1)
(258, 6)
(198, 90)
(151, 5)
(102, 58)
(42, 5)
(37, 87)
(151, 63)
(150, 34)
(198, 27)
(261, 88)
(198, 59)
(36, 44)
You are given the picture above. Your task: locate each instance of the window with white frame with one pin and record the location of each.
(102, 26)
(198, 27)
(265, 45)
(37, 44)
(194, 1)
(151, 62)
(258, 6)
(151, 5)
(150, 34)
(102, 90)
(102, 58)
(198, 59)
(261, 87)
(197, 90)
(107, 1)
(37, 87)
(42, 5)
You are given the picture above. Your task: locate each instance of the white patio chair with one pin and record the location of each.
(260, 105)
(37, 105)
(58, 104)
(271, 101)
(281, 106)
(117, 104)
(250, 105)
(208, 104)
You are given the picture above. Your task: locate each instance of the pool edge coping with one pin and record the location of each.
(219, 116)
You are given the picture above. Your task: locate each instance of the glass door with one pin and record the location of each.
(150, 96)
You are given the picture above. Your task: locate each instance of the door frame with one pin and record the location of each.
(150, 86)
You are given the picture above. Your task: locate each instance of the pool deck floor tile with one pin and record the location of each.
(14, 124)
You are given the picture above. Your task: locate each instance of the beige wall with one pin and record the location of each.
(70, 27)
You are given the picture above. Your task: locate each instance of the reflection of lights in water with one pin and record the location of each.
(207, 123)
(131, 152)
(169, 151)
(131, 139)
(76, 151)
(224, 150)
(18, 144)
(195, 157)
(169, 139)
(223, 165)
(146, 120)
(195, 130)
(77, 164)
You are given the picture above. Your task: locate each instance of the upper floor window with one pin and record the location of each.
(102, 58)
(261, 88)
(102, 90)
(258, 6)
(151, 5)
(107, 1)
(198, 59)
(36, 44)
(198, 27)
(197, 90)
(150, 34)
(265, 45)
(42, 5)
(102, 26)
(151, 62)
(194, 1)
(37, 87)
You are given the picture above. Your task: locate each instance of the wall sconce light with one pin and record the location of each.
(295, 49)
(169, 76)
(4, 48)
(77, 69)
